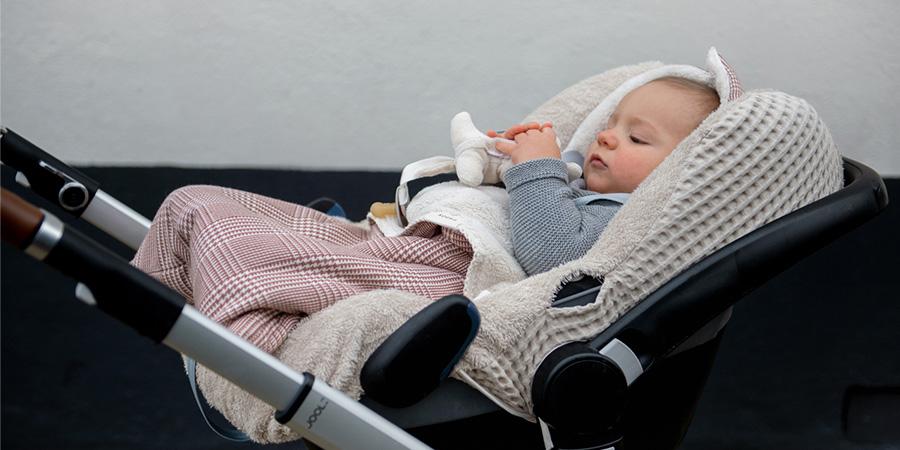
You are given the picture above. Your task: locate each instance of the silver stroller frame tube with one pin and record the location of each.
(308, 406)
(116, 219)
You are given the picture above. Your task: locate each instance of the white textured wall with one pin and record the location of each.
(372, 84)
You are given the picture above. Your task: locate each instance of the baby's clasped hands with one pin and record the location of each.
(530, 141)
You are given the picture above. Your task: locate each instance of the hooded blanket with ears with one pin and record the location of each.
(759, 156)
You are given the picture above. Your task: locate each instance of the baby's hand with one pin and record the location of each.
(516, 129)
(532, 141)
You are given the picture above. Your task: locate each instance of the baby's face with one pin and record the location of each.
(646, 126)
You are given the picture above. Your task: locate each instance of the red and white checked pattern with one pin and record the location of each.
(734, 84)
(257, 265)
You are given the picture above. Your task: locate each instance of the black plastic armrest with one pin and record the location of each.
(419, 355)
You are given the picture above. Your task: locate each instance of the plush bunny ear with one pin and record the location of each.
(727, 84)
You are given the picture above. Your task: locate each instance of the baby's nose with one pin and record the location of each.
(607, 138)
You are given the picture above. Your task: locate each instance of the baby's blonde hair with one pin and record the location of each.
(706, 98)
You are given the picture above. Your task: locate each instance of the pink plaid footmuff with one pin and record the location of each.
(258, 265)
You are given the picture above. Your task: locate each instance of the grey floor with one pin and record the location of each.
(71, 378)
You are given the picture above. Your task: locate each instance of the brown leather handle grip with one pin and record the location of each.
(20, 219)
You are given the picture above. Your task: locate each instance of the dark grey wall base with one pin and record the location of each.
(790, 354)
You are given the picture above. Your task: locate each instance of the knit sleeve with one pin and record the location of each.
(548, 227)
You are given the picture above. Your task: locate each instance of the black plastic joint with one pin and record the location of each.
(283, 416)
(49, 177)
(578, 390)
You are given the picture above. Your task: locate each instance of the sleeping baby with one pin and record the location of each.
(258, 265)
(552, 222)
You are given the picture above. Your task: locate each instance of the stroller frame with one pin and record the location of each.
(651, 333)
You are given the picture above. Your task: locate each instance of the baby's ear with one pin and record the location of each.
(728, 85)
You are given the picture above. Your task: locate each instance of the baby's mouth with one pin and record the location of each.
(597, 161)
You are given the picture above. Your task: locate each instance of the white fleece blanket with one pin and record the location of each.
(482, 215)
(755, 159)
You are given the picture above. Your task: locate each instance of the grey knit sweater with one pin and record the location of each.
(549, 225)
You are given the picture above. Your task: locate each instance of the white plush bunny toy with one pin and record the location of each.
(477, 160)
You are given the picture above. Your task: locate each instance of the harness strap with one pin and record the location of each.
(427, 167)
